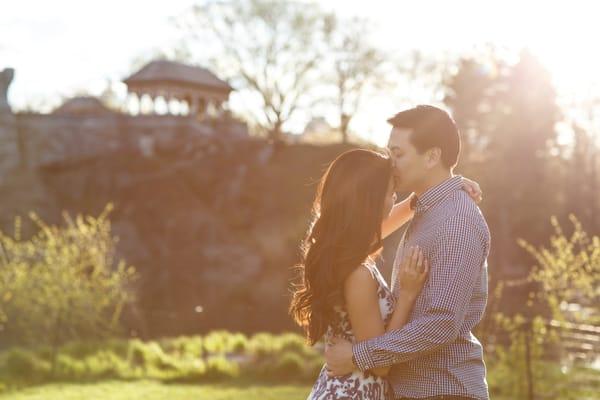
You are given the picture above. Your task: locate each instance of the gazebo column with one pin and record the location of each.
(202, 109)
(211, 109)
(220, 109)
(194, 105)
(153, 100)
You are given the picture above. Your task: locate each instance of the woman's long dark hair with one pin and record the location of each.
(345, 231)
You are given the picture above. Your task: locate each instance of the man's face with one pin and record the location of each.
(409, 166)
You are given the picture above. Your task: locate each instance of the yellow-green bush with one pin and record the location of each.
(182, 346)
(23, 366)
(220, 342)
(219, 368)
(533, 361)
(62, 284)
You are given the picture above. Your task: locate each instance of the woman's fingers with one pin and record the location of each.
(414, 262)
(425, 270)
(420, 262)
(407, 259)
(414, 259)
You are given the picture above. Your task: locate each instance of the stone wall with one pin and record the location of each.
(9, 151)
(49, 138)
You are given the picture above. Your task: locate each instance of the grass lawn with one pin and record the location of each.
(152, 390)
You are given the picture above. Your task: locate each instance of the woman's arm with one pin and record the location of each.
(411, 277)
(362, 301)
(400, 214)
(362, 304)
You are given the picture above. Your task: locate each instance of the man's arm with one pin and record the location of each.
(456, 263)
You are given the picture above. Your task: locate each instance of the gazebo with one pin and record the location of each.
(202, 90)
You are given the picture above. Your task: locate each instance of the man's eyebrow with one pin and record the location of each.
(395, 148)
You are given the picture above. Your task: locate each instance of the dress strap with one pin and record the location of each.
(372, 269)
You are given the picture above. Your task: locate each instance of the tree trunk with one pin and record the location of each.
(344, 122)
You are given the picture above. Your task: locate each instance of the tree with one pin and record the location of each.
(508, 115)
(583, 163)
(271, 49)
(357, 66)
(471, 93)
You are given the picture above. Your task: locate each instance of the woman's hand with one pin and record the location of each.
(473, 189)
(413, 272)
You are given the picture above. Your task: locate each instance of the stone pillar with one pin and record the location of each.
(10, 153)
(10, 157)
(6, 77)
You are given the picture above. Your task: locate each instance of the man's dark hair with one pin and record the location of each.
(431, 127)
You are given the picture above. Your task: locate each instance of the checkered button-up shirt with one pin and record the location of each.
(435, 353)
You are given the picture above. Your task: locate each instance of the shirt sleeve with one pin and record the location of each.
(456, 262)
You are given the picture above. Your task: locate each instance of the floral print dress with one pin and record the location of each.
(356, 385)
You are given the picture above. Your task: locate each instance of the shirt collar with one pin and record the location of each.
(437, 193)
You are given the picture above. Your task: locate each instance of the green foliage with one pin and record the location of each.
(528, 342)
(18, 365)
(156, 390)
(62, 284)
(105, 364)
(568, 270)
(183, 346)
(278, 359)
(218, 356)
(290, 364)
(262, 345)
(219, 342)
(219, 368)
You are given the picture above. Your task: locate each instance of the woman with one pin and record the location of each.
(341, 292)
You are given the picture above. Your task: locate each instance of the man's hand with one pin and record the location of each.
(338, 355)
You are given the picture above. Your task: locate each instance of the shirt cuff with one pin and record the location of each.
(362, 356)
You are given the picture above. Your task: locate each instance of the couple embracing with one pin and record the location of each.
(411, 338)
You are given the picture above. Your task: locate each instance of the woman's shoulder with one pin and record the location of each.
(363, 277)
(364, 271)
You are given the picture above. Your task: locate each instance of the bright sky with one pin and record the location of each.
(60, 47)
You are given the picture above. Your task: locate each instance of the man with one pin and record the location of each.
(435, 355)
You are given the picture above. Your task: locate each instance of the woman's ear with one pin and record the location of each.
(433, 157)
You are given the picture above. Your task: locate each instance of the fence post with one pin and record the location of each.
(528, 367)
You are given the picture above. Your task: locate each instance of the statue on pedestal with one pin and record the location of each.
(6, 77)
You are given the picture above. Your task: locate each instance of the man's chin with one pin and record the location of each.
(402, 189)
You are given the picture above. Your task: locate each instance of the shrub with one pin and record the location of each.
(219, 368)
(62, 284)
(23, 366)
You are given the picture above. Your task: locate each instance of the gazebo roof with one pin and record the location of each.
(82, 105)
(171, 72)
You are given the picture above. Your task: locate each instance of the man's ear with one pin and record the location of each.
(433, 157)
